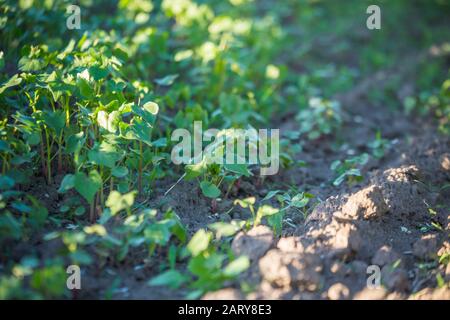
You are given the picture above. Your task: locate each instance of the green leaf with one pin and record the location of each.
(195, 170)
(440, 280)
(98, 73)
(353, 172)
(21, 207)
(240, 169)
(81, 257)
(335, 164)
(339, 180)
(31, 64)
(171, 278)
(121, 54)
(236, 267)
(67, 183)
(141, 131)
(147, 112)
(14, 81)
(104, 154)
(195, 294)
(119, 172)
(96, 229)
(177, 229)
(85, 88)
(9, 226)
(117, 202)
(224, 229)
(106, 215)
(55, 120)
(39, 215)
(79, 211)
(4, 146)
(271, 194)
(299, 201)
(51, 280)
(108, 121)
(69, 48)
(6, 182)
(161, 142)
(151, 107)
(88, 186)
(209, 189)
(276, 222)
(265, 211)
(245, 203)
(158, 233)
(199, 242)
(167, 80)
(207, 267)
(75, 142)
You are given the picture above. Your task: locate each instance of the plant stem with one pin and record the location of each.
(229, 189)
(67, 112)
(92, 211)
(60, 154)
(140, 169)
(102, 196)
(44, 169)
(49, 158)
(5, 163)
(111, 184)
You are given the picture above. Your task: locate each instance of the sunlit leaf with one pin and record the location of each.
(12, 82)
(199, 242)
(237, 266)
(171, 278)
(209, 189)
(117, 202)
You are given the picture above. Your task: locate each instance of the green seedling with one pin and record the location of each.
(322, 117)
(379, 146)
(349, 169)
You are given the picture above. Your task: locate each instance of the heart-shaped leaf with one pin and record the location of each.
(55, 120)
(236, 267)
(85, 88)
(88, 186)
(75, 142)
(199, 242)
(117, 202)
(108, 121)
(209, 189)
(67, 183)
(104, 154)
(151, 107)
(170, 278)
(98, 73)
(119, 172)
(240, 169)
(14, 81)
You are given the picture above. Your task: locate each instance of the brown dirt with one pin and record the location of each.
(377, 222)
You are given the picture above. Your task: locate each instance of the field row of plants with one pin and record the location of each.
(86, 118)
